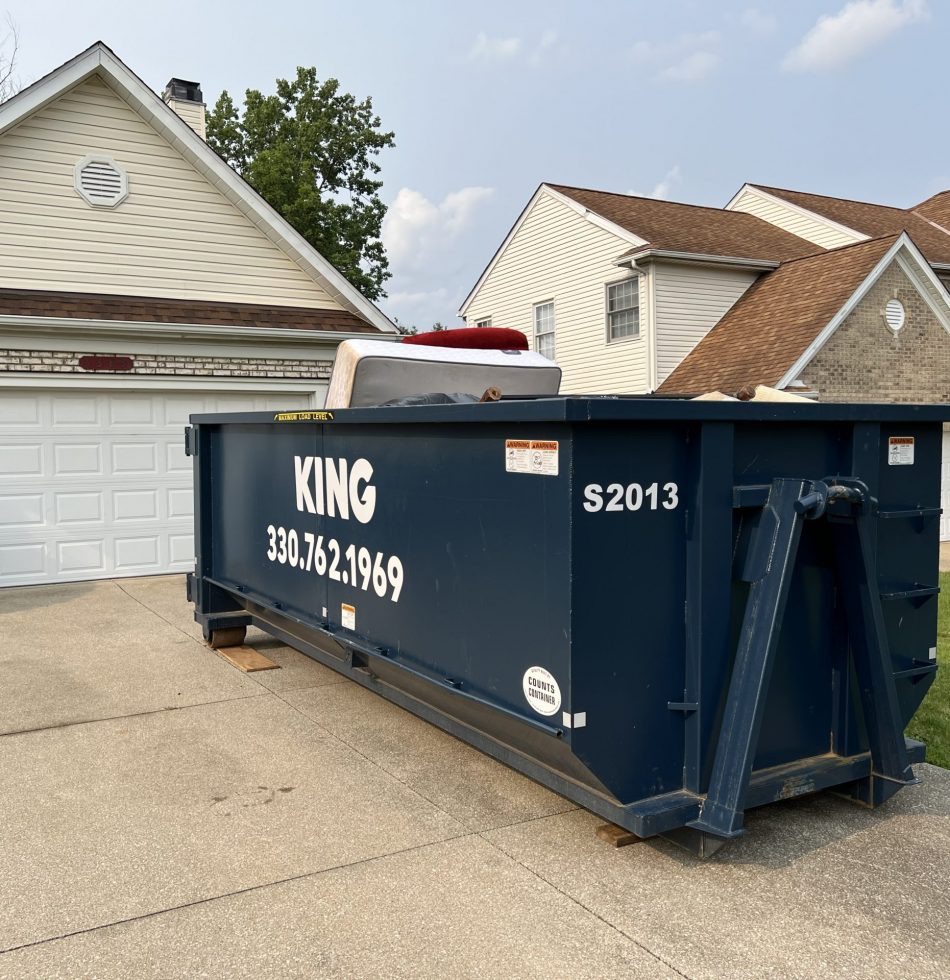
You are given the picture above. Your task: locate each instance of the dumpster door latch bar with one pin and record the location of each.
(847, 504)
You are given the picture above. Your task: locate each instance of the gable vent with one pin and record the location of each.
(101, 182)
(894, 314)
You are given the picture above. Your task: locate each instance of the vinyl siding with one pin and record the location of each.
(193, 113)
(175, 235)
(558, 255)
(690, 301)
(789, 219)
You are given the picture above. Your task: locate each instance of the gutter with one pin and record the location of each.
(631, 259)
(137, 329)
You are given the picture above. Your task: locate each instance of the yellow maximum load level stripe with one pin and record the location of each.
(303, 417)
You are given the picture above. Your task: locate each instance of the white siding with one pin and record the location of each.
(790, 219)
(558, 255)
(690, 301)
(174, 236)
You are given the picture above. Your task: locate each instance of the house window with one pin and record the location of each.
(544, 329)
(623, 309)
(483, 323)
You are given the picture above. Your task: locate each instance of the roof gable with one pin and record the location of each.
(785, 318)
(98, 66)
(872, 220)
(690, 228)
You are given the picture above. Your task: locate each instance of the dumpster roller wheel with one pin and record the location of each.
(229, 636)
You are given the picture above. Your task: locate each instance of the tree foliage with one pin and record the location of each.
(310, 151)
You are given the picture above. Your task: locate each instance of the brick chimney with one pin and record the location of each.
(184, 98)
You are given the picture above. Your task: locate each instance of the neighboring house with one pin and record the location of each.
(837, 299)
(141, 280)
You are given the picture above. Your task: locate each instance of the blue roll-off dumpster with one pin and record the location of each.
(668, 611)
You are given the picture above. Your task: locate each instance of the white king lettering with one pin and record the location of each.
(324, 487)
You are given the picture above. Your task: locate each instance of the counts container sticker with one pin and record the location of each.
(541, 691)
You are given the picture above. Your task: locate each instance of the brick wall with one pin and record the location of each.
(865, 361)
(67, 362)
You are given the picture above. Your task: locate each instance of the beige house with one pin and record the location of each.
(141, 280)
(833, 298)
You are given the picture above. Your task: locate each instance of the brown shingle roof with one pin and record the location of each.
(691, 228)
(98, 306)
(936, 208)
(772, 325)
(873, 220)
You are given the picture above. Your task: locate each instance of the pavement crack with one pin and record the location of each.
(250, 889)
(133, 714)
(154, 612)
(571, 898)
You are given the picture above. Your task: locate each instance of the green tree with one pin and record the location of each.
(309, 150)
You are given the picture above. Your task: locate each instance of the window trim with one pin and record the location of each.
(484, 321)
(634, 336)
(534, 326)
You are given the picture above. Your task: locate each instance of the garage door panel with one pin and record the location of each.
(175, 459)
(21, 560)
(181, 550)
(19, 411)
(75, 507)
(77, 458)
(133, 411)
(70, 412)
(21, 460)
(135, 505)
(97, 484)
(80, 556)
(22, 510)
(180, 502)
(138, 552)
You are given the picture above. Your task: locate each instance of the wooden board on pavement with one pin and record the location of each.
(247, 659)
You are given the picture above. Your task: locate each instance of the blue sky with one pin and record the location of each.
(684, 100)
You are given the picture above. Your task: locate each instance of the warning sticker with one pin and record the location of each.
(541, 691)
(531, 456)
(900, 451)
(347, 616)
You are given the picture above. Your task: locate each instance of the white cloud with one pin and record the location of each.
(839, 38)
(486, 48)
(687, 58)
(758, 22)
(692, 68)
(415, 227)
(427, 243)
(547, 41)
(664, 186)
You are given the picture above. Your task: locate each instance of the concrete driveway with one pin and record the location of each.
(164, 815)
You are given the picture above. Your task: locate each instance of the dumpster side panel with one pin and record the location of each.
(483, 554)
(630, 501)
(254, 498)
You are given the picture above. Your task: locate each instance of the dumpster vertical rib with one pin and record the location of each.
(857, 581)
(708, 595)
(773, 553)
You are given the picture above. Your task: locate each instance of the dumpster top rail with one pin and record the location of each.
(606, 408)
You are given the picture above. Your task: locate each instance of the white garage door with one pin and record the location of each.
(945, 490)
(97, 484)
